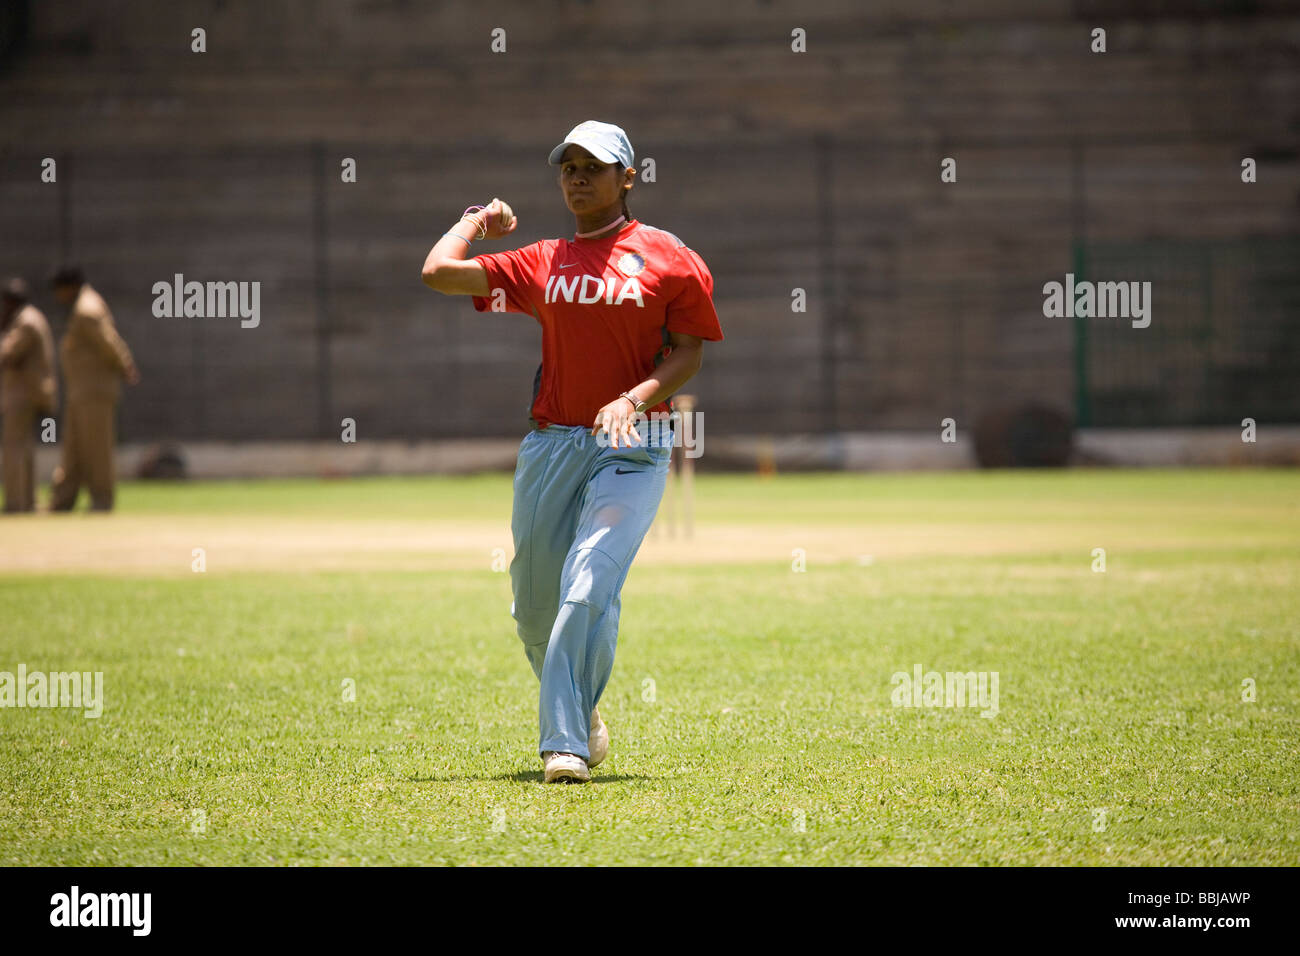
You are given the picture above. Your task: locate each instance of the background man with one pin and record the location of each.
(28, 390)
(94, 360)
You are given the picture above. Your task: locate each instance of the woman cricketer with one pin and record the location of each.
(624, 309)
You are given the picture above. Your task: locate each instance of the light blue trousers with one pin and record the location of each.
(580, 514)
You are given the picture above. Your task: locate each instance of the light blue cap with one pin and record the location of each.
(605, 141)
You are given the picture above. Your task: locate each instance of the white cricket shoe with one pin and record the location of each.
(597, 740)
(562, 768)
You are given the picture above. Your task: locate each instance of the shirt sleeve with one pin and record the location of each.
(521, 273)
(99, 331)
(691, 310)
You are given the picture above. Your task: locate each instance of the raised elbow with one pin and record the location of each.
(434, 278)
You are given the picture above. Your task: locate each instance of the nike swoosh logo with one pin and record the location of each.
(569, 266)
(628, 471)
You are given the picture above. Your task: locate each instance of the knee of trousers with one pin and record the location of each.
(592, 578)
(533, 624)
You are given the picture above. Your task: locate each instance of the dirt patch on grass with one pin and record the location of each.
(128, 544)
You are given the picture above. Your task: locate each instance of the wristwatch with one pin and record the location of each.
(637, 405)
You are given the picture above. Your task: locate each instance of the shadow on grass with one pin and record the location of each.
(526, 776)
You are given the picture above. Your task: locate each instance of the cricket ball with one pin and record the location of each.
(507, 215)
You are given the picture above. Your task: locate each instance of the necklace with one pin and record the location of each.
(594, 232)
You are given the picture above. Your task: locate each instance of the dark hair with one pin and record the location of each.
(67, 275)
(15, 290)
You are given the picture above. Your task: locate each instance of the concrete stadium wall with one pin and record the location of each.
(817, 171)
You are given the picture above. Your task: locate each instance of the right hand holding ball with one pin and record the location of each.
(500, 219)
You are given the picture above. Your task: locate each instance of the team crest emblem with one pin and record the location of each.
(631, 264)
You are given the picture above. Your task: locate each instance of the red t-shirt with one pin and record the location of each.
(606, 306)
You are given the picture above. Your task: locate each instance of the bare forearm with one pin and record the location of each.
(449, 268)
(451, 247)
(673, 372)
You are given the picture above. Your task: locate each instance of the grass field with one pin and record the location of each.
(750, 708)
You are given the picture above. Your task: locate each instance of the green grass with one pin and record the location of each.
(1119, 692)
